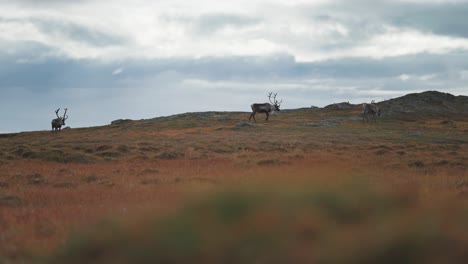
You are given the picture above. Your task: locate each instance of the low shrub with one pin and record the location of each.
(344, 225)
(11, 201)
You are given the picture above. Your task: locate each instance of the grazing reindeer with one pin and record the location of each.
(372, 109)
(58, 122)
(266, 107)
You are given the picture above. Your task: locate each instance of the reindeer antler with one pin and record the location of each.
(56, 113)
(65, 117)
(278, 103)
(275, 102)
(269, 97)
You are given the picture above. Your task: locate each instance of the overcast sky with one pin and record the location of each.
(106, 60)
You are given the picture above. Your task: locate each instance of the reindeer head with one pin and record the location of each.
(63, 118)
(274, 103)
(378, 108)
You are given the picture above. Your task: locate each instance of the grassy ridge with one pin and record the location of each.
(212, 133)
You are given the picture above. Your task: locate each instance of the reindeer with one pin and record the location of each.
(266, 108)
(372, 109)
(58, 122)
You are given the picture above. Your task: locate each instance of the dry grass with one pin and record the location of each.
(54, 184)
(283, 225)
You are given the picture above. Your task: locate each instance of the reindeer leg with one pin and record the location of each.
(253, 115)
(267, 115)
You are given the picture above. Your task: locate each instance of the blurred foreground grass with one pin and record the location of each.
(347, 224)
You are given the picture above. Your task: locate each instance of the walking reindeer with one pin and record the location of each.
(266, 108)
(371, 109)
(58, 122)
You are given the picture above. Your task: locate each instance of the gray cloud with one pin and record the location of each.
(77, 32)
(70, 30)
(440, 19)
(210, 23)
(45, 3)
(437, 17)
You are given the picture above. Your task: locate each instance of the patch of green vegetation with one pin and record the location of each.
(271, 162)
(123, 148)
(416, 164)
(54, 155)
(66, 185)
(89, 178)
(89, 150)
(106, 182)
(150, 181)
(67, 157)
(11, 201)
(148, 149)
(385, 147)
(103, 148)
(19, 151)
(381, 152)
(441, 163)
(36, 179)
(109, 154)
(169, 155)
(177, 180)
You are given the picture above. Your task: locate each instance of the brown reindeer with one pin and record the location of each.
(58, 122)
(266, 108)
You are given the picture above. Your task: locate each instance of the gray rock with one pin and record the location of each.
(339, 106)
(120, 121)
(244, 124)
(448, 123)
